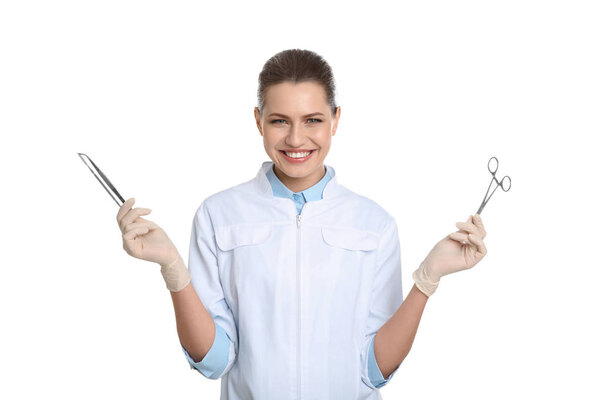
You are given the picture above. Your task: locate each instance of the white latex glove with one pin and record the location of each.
(145, 240)
(458, 251)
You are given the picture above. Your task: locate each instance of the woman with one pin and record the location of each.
(296, 280)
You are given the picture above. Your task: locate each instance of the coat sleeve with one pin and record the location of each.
(206, 281)
(386, 297)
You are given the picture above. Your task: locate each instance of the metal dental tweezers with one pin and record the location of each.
(102, 179)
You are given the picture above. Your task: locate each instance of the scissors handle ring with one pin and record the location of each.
(505, 186)
(493, 171)
(502, 183)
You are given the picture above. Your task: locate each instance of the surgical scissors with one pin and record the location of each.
(104, 181)
(501, 184)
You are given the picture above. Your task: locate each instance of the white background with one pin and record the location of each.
(161, 96)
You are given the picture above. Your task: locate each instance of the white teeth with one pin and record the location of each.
(297, 155)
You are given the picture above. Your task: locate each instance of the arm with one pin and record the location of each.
(386, 299)
(395, 338)
(205, 332)
(205, 324)
(195, 326)
(206, 340)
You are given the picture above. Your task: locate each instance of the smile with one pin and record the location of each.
(297, 157)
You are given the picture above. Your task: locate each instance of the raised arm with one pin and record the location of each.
(205, 343)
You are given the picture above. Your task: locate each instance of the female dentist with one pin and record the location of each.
(296, 289)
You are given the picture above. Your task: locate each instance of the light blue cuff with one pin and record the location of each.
(375, 375)
(215, 361)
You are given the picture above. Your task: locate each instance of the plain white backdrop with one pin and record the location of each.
(161, 94)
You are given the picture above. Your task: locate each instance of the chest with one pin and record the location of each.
(276, 262)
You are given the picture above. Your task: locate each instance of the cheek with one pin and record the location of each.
(323, 138)
(269, 139)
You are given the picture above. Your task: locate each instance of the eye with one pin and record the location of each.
(276, 120)
(314, 119)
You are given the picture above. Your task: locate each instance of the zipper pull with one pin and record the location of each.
(298, 216)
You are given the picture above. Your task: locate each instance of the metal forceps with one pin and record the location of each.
(102, 179)
(504, 183)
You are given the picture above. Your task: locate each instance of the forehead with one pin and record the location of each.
(296, 97)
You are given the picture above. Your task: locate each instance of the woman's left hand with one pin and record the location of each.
(459, 250)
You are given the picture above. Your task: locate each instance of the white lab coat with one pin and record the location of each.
(300, 298)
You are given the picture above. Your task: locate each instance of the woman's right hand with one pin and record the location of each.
(142, 238)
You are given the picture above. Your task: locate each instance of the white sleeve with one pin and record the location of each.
(386, 298)
(206, 281)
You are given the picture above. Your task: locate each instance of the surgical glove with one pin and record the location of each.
(176, 274)
(458, 251)
(145, 240)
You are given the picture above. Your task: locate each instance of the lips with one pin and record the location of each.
(297, 150)
(298, 160)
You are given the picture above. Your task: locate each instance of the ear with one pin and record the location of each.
(338, 112)
(257, 118)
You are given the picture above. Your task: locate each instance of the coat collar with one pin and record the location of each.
(313, 193)
(263, 186)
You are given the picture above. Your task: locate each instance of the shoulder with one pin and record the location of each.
(229, 204)
(369, 213)
(232, 193)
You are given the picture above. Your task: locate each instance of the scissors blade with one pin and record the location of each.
(104, 181)
(481, 207)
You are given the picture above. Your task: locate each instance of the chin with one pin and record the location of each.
(292, 172)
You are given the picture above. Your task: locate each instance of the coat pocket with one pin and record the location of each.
(232, 236)
(350, 238)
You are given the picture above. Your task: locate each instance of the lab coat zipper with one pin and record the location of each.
(298, 275)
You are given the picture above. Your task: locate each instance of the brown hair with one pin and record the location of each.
(297, 66)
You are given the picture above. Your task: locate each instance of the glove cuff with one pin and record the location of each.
(176, 275)
(423, 281)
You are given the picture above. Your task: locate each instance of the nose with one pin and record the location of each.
(296, 136)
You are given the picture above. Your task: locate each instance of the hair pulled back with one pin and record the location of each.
(296, 66)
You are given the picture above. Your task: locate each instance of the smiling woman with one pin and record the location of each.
(296, 283)
(297, 115)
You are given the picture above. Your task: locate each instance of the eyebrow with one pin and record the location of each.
(285, 116)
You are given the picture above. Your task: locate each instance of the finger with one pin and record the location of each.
(135, 225)
(479, 223)
(141, 219)
(478, 242)
(475, 229)
(468, 227)
(459, 237)
(125, 207)
(132, 234)
(132, 215)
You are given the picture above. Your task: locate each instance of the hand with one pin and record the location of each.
(458, 251)
(142, 238)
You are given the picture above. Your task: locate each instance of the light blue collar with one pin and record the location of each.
(315, 192)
